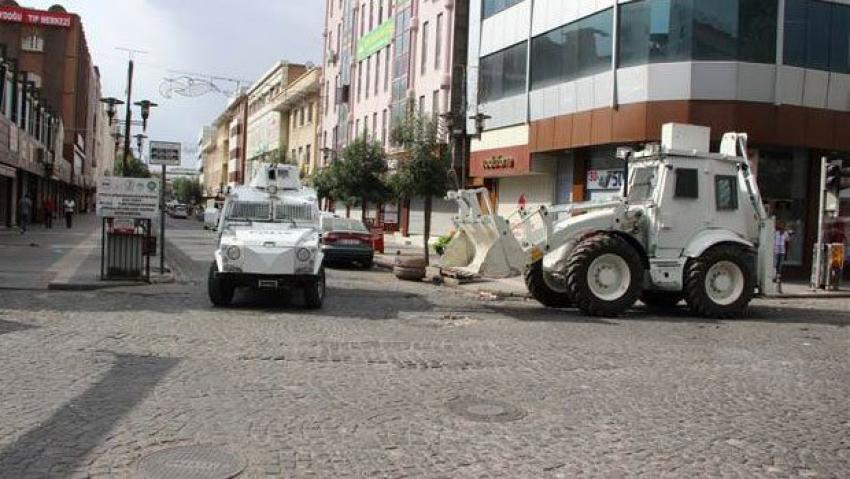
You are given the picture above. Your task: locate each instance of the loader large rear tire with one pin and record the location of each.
(720, 284)
(545, 289)
(604, 275)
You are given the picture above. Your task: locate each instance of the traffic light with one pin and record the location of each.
(837, 179)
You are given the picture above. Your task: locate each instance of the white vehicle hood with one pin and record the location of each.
(260, 234)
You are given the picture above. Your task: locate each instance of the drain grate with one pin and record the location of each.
(485, 410)
(191, 462)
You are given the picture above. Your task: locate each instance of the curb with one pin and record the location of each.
(839, 295)
(93, 286)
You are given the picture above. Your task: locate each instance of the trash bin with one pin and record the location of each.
(127, 246)
(377, 239)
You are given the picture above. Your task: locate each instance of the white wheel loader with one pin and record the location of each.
(689, 225)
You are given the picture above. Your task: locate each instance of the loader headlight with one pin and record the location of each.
(303, 254)
(233, 253)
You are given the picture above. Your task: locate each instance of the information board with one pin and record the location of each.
(165, 153)
(128, 197)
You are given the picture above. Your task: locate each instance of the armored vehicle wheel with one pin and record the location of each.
(719, 284)
(604, 275)
(546, 289)
(314, 293)
(219, 289)
(661, 299)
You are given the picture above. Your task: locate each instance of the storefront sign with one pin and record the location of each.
(498, 162)
(34, 17)
(604, 179)
(128, 197)
(376, 39)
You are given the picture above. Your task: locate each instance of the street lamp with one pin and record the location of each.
(479, 119)
(111, 103)
(146, 106)
(140, 137)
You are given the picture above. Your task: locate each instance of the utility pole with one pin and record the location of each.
(128, 114)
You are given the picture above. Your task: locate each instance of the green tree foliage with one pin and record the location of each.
(135, 168)
(424, 174)
(187, 191)
(357, 177)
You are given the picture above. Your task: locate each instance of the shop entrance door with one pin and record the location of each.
(782, 177)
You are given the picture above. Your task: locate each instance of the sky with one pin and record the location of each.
(236, 38)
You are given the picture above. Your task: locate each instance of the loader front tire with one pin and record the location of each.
(545, 289)
(219, 289)
(604, 275)
(719, 284)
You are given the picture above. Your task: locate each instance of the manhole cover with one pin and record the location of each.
(191, 462)
(485, 410)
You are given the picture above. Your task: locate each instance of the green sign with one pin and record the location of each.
(375, 40)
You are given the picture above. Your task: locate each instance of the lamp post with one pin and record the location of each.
(140, 137)
(111, 103)
(146, 106)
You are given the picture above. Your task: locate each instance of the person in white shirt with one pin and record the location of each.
(780, 248)
(69, 207)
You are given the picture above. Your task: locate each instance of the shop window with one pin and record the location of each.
(726, 192)
(687, 183)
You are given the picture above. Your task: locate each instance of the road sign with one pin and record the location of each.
(119, 197)
(165, 153)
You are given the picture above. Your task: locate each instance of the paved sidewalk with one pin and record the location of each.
(57, 258)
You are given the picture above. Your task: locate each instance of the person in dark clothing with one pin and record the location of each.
(49, 209)
(70, 207)
(26, 213)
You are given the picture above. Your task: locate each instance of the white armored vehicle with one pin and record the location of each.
(269, 238)
(690, 225)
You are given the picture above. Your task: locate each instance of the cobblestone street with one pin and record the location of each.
(396, 379)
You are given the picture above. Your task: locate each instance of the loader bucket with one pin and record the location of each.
(483, 244)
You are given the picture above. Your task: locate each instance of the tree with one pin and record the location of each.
(357, 177)
(134, 169)
(187, 191)
(424, 174)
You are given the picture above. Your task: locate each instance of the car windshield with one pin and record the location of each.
(643, 183)
(343, 224)
(269, 211)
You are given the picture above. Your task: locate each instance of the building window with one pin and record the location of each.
(384, 126)
(502, 74)
(658, 31)
(809, 44)
(359, 77)
(309, 112)
(368, 71)
(422, 106)
(435, 102)
(492, 7)
(424, 49)
(687, 183)
(726, 192)
(375, 126)
(387, 69)
(32, 43)
(377, 72)
(579, 49)
(307, 154)
(381, 11)
(438, 47)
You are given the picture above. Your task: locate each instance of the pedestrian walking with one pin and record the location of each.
(49, 209)
(69, 206)
(25, 209)
(781, 236)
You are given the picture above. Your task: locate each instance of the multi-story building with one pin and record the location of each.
(277, 106)
(564, 82)
(50, 53)
(47, 74)
(385, 59)
(300, 103)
